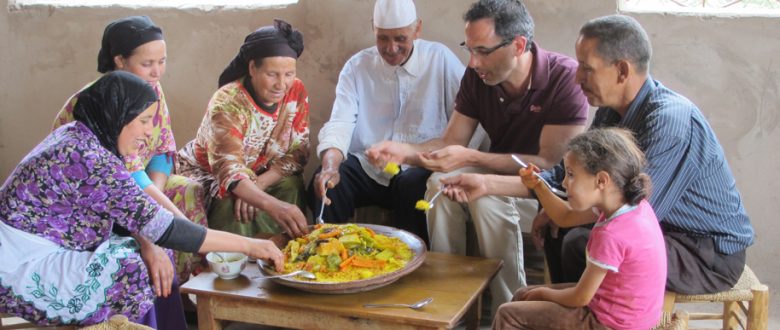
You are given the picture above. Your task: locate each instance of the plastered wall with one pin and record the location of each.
(728, 66)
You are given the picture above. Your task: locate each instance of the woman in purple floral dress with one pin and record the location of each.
(136, 45)
(61, 262)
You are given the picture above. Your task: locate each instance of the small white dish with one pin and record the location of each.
(231, 267)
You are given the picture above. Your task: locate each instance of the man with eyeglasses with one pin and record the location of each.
(695, 198)
(526, 99)
(403, 89)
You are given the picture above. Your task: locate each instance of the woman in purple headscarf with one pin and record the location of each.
(253, 142)
(61, 262)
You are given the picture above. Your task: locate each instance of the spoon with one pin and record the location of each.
(424, 205)
(301, 273)
(221, 257)
(416, 305)
(322, 208)
(436, 195)
(561, 194)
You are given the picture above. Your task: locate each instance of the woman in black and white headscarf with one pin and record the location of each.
(135, 44)
(62, 264)
(253, 142)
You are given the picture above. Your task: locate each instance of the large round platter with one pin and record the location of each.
(415, 244)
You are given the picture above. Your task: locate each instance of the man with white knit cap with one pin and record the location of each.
(402, 89)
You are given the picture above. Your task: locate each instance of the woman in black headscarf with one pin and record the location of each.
(61, 262)
(135, 44)
(253, 142)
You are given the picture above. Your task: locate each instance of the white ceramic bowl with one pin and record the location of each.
(234, 263)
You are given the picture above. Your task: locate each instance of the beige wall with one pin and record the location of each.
(728, 66)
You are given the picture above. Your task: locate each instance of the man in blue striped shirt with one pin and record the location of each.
(706, 228)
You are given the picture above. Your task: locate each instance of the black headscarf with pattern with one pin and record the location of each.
(268, 41)
(124, 35)
(111, 103)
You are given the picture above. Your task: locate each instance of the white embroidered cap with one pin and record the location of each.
(393, 14)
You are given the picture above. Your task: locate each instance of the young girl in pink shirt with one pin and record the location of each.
(623, 283)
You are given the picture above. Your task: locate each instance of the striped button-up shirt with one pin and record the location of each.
(693, 189)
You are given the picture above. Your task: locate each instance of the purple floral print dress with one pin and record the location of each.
(61, 263)
(187, 194)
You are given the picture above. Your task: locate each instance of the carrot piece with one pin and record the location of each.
(346, 262)
(344, 254)
(332, 233)
(367, 263)
(370, 231)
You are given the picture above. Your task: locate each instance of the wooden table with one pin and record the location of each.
(455, 282)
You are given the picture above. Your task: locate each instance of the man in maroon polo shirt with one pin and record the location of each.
(528, 103)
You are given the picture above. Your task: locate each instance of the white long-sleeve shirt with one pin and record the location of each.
(376, 101)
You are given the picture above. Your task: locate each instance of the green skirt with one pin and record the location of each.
(222, 217)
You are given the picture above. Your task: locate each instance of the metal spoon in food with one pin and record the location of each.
(222, 258)
(322, 208)
(301, 273)
(522, 164)
(416, 305)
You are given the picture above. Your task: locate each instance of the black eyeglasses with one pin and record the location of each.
(482, 51)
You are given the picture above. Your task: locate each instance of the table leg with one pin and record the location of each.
(474, 314)
(206, 320)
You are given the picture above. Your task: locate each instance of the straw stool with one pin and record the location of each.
(745, 306)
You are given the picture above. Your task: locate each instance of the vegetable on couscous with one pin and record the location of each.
(345, 252)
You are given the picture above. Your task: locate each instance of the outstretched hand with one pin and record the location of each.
(464, 187)
(268, 251)
(446, 159)
(324, 180)
(289, 217)
(388, 151)
(530, 179)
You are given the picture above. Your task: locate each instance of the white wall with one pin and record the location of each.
(728, 66)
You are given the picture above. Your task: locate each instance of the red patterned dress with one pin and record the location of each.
(238, 139)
